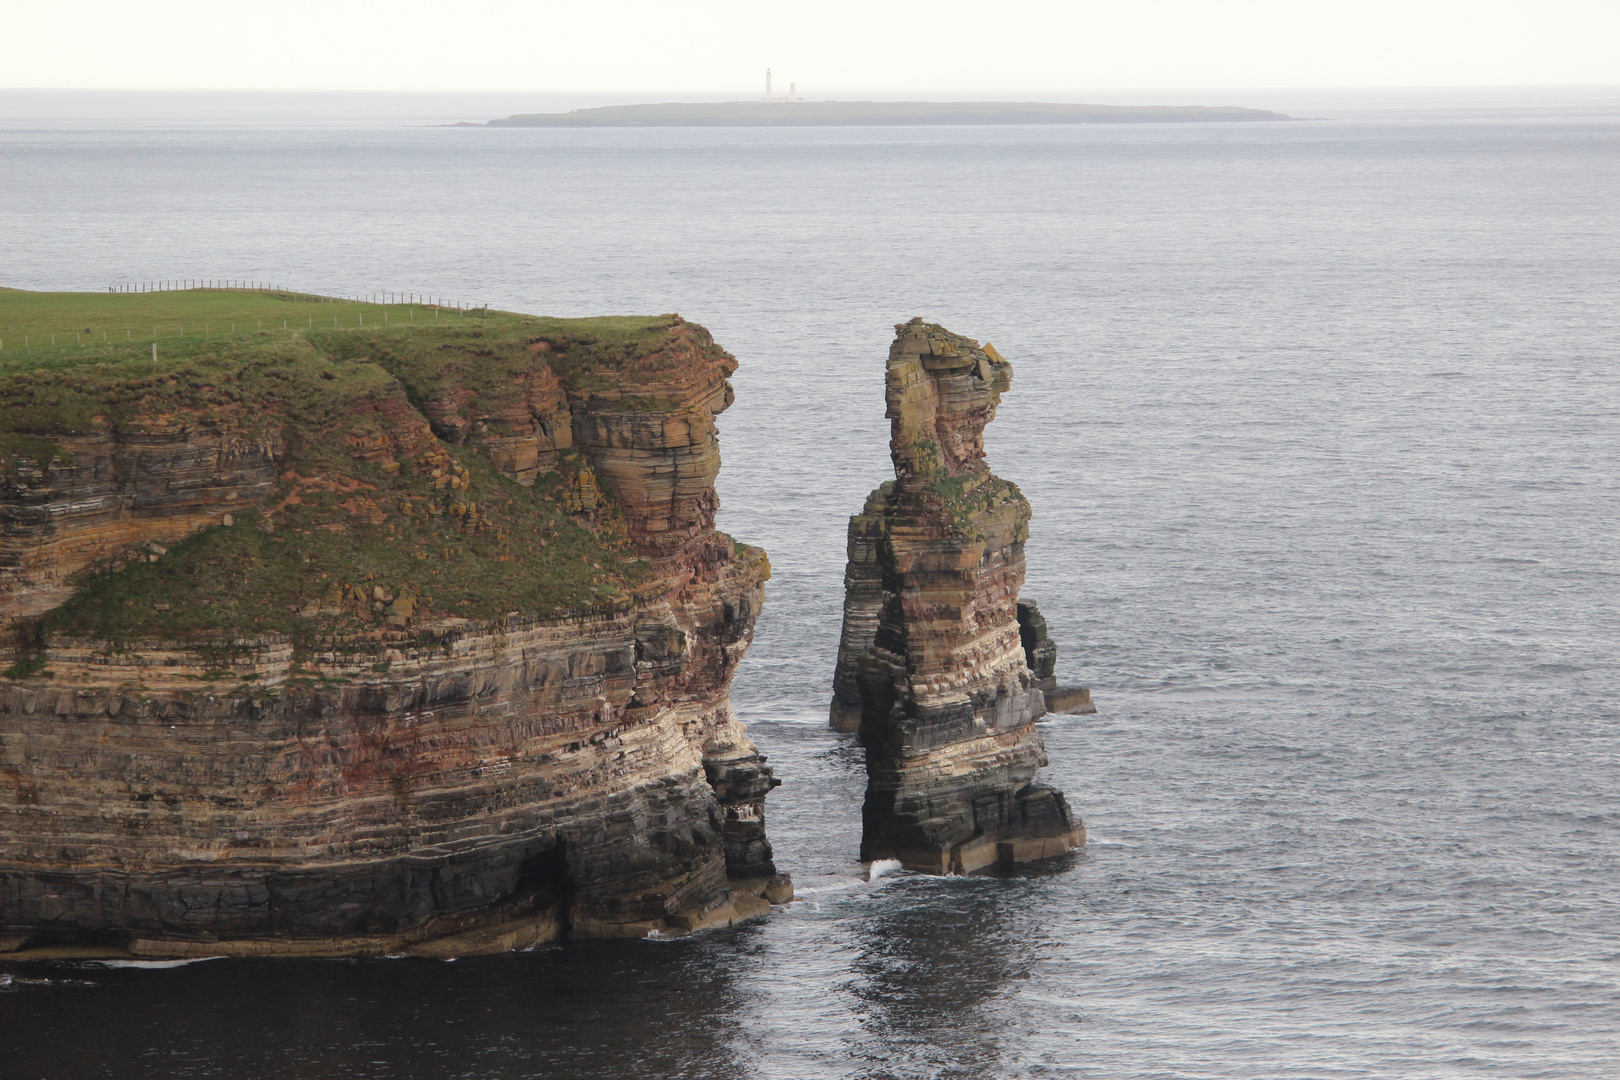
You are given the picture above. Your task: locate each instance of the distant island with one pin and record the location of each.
(876, 113)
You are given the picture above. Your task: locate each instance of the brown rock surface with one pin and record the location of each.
(932, 671)
(306, 668)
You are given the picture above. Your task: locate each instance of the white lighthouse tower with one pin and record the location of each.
(767, 84)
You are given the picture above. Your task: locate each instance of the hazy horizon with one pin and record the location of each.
(89, 108)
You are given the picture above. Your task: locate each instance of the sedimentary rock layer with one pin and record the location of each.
(375, 641)
(932, 670)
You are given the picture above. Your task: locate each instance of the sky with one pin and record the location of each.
(707, 47)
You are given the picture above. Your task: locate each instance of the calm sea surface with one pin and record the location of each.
(1319, 422)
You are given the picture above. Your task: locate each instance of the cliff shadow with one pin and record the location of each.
(588, 1011)
(935, 959)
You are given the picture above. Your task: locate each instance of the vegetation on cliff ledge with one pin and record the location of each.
(386, 512)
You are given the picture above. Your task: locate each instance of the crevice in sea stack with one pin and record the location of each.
(933, 669)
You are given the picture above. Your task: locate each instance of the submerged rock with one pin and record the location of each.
(376, 640)
(932, 667)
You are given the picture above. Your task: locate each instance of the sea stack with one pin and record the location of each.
(932, 668)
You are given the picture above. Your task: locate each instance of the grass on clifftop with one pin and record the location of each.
(367, 499)
(120, 329)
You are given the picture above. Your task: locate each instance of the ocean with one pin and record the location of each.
(1319, 423)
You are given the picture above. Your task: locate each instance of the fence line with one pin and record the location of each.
(385, 297)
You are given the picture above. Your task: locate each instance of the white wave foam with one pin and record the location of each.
(816, 890)
(881, 867)
(154, 965)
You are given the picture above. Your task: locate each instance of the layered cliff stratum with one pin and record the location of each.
(933, 669)
(370, 638)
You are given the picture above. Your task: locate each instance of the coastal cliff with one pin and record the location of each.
(372, 639)
(932, 668)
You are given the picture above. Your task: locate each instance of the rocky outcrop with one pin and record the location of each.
(932, 669)
(361, 642)
(1040, 653)
(158, 477)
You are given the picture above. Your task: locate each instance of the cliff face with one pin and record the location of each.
(932, 670)
(360, 641)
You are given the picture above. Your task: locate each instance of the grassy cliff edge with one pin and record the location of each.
(389, 509)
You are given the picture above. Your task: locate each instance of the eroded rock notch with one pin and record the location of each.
(932, 669)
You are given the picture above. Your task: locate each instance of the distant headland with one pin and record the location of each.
(876, 113)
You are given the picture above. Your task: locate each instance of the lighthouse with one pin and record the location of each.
(770, 90)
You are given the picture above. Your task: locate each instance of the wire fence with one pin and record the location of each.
(36, 337)
(387, 296)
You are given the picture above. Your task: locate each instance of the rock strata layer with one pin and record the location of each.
(408, 640)
(932, 667)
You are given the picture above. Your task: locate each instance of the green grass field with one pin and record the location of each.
(39, 325)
